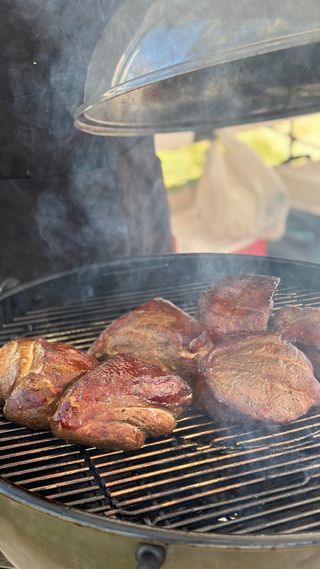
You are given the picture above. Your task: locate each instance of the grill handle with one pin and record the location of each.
(150, 556)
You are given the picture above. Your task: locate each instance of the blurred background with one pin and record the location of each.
(284, 160)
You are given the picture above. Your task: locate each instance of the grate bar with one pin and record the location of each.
(205, 494)
(304, 527)
(122, 299)
(121, 469)
(219, 467)
(94, 307)
(221, 479)
(39, 468)
(266, 512)
(61, 457)
(54, 476)
(41, 451)
(65, 483)
(82, 501)
(119, 299)
(77, 492)
(218, 508)
(283, 520)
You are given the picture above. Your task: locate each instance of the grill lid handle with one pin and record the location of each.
(150, 556)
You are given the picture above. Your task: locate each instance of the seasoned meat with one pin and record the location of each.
(302, 327)
(16, 358)
(120, 403)
(297, 324)
(39, 380)
(313, 355)
(236, 304)
(259, 376)
(157, 331)
(201, 342)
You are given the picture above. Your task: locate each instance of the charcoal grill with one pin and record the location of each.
(210, 494)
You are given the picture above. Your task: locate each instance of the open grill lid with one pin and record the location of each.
(164, 65)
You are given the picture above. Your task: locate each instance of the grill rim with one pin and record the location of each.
(123, 264)
(153, 534)
(134, 530)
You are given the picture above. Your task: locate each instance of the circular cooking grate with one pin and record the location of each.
(205, 477)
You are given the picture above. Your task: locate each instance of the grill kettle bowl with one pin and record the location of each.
(37, 533)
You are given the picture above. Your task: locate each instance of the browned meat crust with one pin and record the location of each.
(120, 403)
(157, 331)
(297, 324)
(301, 326)
(237, 303)
(16, 358)
(38, 372)
(259, 376)
(313, 355)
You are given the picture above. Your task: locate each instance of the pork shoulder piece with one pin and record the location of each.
(120, 403)
(313, 355)
(16, 358)
(260, 376)
(297, 324)
(301, 326)
(236, 304)
(157, 331)
(48, 369)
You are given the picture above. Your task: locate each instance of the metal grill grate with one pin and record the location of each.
(206, 477)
